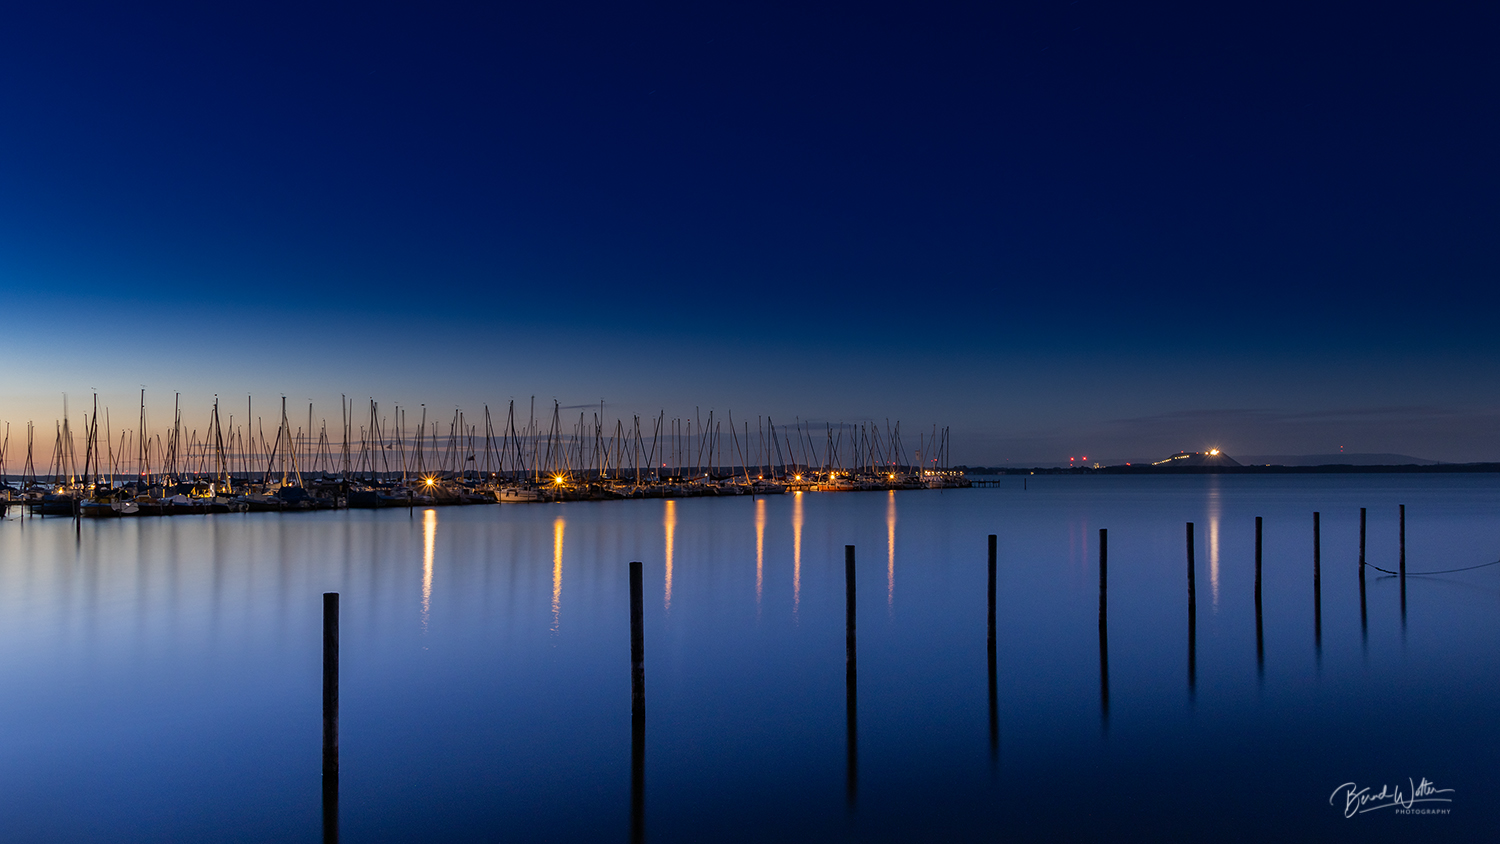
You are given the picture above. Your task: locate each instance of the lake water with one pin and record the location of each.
(160, 678)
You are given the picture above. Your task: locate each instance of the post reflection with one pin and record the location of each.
(1364, 618)
(760, 549)
(1215, 511)
(796, 551)
(331, 809)
(429, 545)
(557, 556)
(890, 554)
(669, 522)
(1403, 609)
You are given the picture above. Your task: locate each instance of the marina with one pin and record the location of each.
(380, 462)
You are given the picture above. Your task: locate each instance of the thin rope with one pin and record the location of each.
(1444, 571)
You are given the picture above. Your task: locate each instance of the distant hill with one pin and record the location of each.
(1336, 460)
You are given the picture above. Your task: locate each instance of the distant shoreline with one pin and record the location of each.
(1330, 469)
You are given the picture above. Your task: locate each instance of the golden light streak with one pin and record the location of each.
(796, 551)
(557, 551)
(890, 541)
(1215, 509)
(429, 544)
(760, 547)
(669, 521)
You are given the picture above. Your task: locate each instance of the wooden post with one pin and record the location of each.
(1403, 568)
(1318, 583)
(994, 697)
(992, 594)
(851, 678)
(1104, 627)
(1103, 578)
(1258, 523)
(1260, 639)
(331, 683)
(637, 646)
(1192, 615)
(1361, 542)
(637, 709)
(1403, 540)
(1364, 622)
(330, 716)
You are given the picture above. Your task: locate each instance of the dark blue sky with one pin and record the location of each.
(1064, 229)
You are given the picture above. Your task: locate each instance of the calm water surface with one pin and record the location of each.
(160, 678)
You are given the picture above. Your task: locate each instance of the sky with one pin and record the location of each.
(1061, 229)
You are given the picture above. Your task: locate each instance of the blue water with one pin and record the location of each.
(160, 678)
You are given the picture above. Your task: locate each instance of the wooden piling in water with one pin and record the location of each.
(1103, 578)
(1192, 614)
(637, 708)
(992, 594)
(851, 678)
(1402, 568)
(330, 716)
(1361, 542)
(637, 646)
(1260, 638)
(1104, 627)
(1364, 622)
(1258, 523)
(330, 684)
(994, 695)
(1318, 582)
(1403, 542)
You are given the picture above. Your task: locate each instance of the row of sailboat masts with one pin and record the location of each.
(936, 446)
(637, 450)
(594, 448)
(159, 458)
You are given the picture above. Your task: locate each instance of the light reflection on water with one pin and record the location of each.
(760, 549)
(180, 658)
(796, 552)
(890, 552)
(558, 526)
(1215, 511)
(429, 546)
(669, 522)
